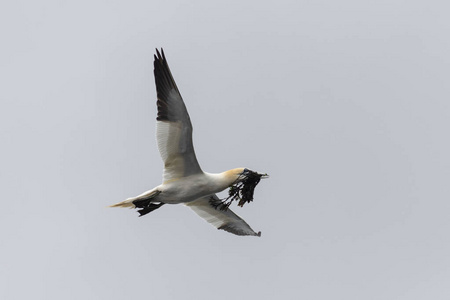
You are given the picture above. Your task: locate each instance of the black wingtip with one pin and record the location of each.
(170, 105)
(160, 54)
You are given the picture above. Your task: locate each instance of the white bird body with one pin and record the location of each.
(183, 179)
(190, 188)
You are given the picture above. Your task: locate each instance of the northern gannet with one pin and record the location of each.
(183, 179)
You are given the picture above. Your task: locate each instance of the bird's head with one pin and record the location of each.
(249, 173)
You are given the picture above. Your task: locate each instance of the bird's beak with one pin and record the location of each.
(263, 176)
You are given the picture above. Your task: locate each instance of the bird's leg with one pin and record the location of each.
(146, 204)
(149, 208)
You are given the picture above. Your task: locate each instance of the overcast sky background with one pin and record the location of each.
(344, 103)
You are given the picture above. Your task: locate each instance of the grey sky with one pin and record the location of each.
(344, 103)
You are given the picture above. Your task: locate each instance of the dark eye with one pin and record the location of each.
(246, 170)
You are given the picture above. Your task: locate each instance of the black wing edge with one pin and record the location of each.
(164, 85)
(232, 229)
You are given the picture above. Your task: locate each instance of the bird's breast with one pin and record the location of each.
(189, 188)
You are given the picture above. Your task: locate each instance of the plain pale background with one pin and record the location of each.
(344, 103)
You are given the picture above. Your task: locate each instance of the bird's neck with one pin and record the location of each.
(225, 179)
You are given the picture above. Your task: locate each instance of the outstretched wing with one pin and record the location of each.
(173, 126)
(209, 208)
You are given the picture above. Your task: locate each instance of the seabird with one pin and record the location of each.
(183, 179)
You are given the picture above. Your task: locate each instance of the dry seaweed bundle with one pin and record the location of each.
(241, 190)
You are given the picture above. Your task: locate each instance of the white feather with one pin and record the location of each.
(168, 138)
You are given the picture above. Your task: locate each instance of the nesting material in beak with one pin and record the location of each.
(243, 188)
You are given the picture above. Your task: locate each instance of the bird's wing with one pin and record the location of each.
(173, 126)
(209, 208)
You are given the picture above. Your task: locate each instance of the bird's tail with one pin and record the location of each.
(126, 203)
(131, 202)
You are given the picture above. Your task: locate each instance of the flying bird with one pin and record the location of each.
(183, 179)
